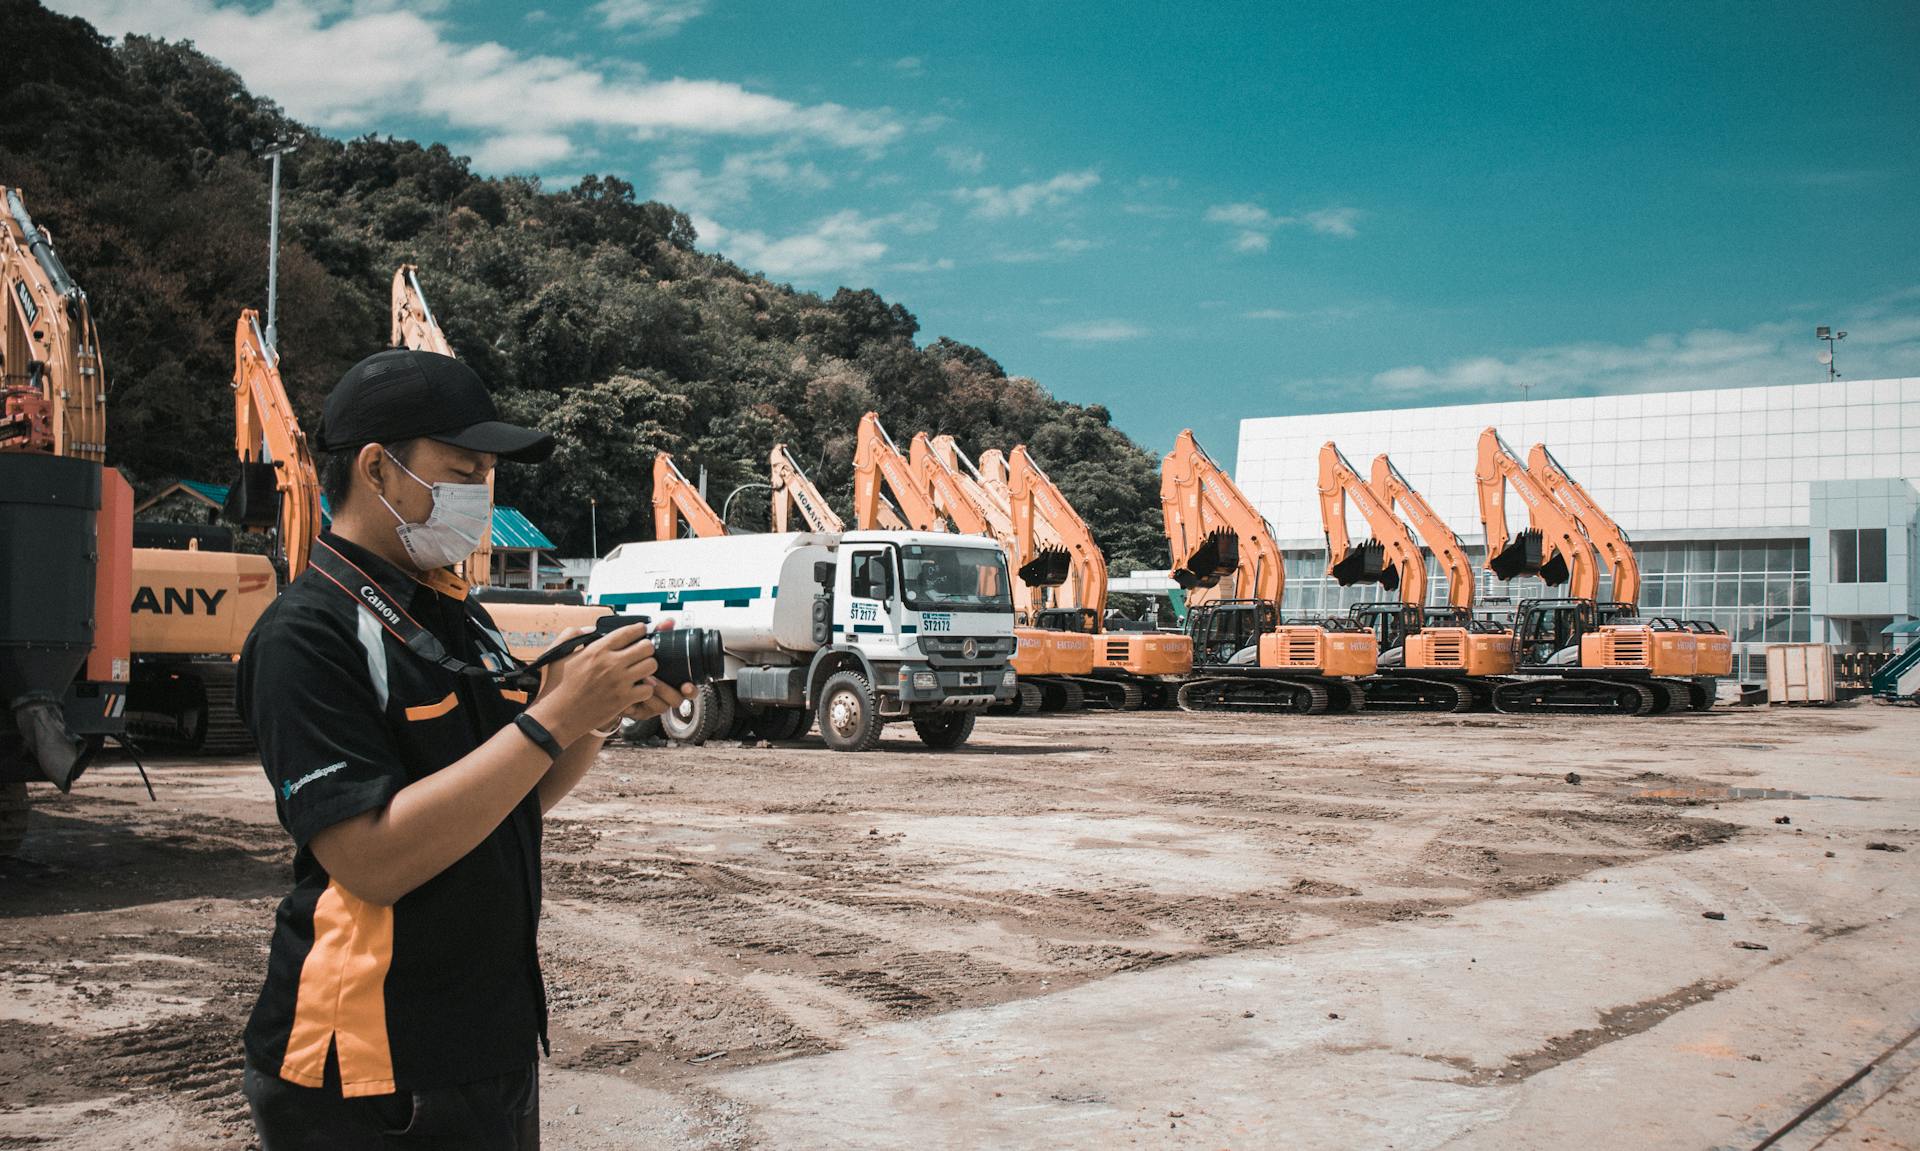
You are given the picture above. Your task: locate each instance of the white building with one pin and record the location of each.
(1779, 513)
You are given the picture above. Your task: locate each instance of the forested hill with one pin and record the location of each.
(588, 311)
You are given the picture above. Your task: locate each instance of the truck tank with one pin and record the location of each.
(690, 581)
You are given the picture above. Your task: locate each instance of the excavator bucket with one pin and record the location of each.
(1217, 556)
(254, 500)
(1521, 557)
(1554, 572)
(1365, 563)
(1050, 568)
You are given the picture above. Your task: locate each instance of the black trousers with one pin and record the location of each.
(500, 1114)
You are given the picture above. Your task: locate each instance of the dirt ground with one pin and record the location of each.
(740, 906)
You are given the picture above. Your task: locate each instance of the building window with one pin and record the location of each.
(1859, 555)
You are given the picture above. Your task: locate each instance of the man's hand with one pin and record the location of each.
(622, 681)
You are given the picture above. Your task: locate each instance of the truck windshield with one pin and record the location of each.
(940, 578)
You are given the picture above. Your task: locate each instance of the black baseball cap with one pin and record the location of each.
(401, 394)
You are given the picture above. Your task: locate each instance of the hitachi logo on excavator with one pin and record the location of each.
(179, 600)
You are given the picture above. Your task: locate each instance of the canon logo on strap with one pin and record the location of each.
(374, 600)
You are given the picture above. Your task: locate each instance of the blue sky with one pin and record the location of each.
(1196, 213)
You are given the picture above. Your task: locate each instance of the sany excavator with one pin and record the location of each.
(1143, 664)
(1712, 648)
(675, 500)
(1421, 668)
(792, 489)
(66, 529)
(1569, 658)
(1054, 666)
(414, 327)
(196, 598)
(1244, 656)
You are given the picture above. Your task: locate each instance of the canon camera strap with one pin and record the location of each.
(366, 591)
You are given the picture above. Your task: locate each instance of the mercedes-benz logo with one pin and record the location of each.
(969, 649)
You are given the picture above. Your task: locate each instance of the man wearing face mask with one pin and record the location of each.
(403, 1004)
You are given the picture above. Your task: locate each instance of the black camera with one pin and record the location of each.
(685, 654)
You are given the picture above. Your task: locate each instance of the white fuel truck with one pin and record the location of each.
(856, 629)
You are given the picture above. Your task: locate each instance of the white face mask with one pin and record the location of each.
(462, 516)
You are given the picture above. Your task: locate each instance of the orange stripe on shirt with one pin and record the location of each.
(342, 997)
(433, 710)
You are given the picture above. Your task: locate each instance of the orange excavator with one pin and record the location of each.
(1141, 664)
(1246, 658)
(792, 489)
(195, 596)
(1054, 666)
(1713, 648)
(1425, 676)
(1574, 654)
(676, 500)
(66, 529)
(1448, 637)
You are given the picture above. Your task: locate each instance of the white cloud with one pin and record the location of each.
(654, 17)
(357, 64)
(1883, 340)
(844, 242)
(910, 66)
(678, 179)
(943, 264)
(1269, 314)
(1074, 244)
(967, 161)
(1253, 226)
(994, 202)
(1096, 332)
(521, 151)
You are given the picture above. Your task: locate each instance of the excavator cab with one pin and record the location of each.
(1545, 628)
(1074, 619)
(1224, 629)
(1391, 622)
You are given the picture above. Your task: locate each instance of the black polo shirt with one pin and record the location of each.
(444, 986)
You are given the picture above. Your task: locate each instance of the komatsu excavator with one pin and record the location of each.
(1426, 676)
(1712, 648)
(792, 489)
(677, 501)
(1574, 654)
(1131, 668)
(1054, 665)
(1245, 657)
(66, 529)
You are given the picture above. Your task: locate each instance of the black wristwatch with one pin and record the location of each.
(534, 730)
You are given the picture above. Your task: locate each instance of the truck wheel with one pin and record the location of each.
(849, 714)
(944, 729)
(701, 716)
(13, 817)
(781, 724)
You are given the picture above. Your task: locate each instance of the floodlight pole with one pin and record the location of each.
(1823, 332)
(593, 519)
(279, 149)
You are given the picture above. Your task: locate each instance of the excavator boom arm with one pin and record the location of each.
(266, 430)
(939, 480)
(1497, 468)
(1607, 536)
(1391, 489)
(1390, 558)
(675, 499)
(1206, 514)
(877, 462)
(1039, 509)
(53, 391)
(792, 489)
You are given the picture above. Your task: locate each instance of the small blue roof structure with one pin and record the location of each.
(212, 493)
(513, 530)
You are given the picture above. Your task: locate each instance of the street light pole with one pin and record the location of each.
(1823, 332)
(279, 149)
(593, 517)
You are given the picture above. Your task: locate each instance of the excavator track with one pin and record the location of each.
(1111, 694)
(1267, 694)
(195, 714)
(1415, 693)
(1027, 700)
(1555, 695)
(1061, 694)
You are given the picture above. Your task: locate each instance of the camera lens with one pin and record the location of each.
(688, 655)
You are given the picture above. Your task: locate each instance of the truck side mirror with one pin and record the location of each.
(879, 581)
(823, 573)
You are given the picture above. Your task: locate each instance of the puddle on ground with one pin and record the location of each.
(1715, 793)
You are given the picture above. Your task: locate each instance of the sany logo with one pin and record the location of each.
(171, 601)
(378, 604)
